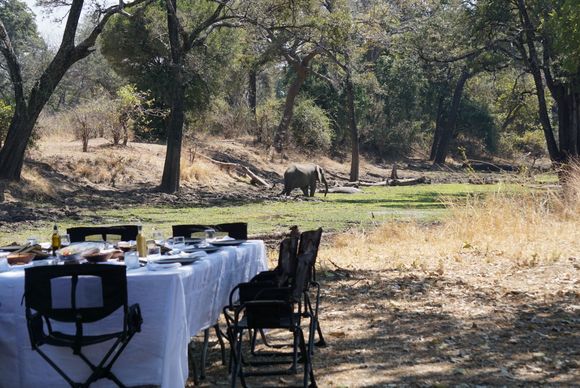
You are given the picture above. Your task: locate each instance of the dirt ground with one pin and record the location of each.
(476, 325)
(59, 180)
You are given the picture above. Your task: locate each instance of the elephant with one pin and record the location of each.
(303, 176)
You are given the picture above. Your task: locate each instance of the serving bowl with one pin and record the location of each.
(20, 258)
(97, 257)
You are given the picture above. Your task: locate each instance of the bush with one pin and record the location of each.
(397, 140)
(91, 119)
(227, 120)
(531, 143)
(310, 126)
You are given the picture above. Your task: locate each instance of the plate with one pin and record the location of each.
(200, 249)
(226, 243)
(181, 260)
(188, 240)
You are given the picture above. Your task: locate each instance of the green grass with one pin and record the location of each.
(337, 212)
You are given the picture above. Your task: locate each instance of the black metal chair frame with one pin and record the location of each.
(264, 306)
(126, 232)
(235, 230)
(40, 313)
(310, 242)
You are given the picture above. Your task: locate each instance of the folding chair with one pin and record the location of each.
(286, 268)
(310, 242)
(262, 307)
(124, 232)
(44, 311)
(235, 230)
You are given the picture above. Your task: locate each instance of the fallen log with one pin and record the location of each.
(409, 181)
(230, 167)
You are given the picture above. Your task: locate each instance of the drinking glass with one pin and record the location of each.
(64, 240)
(131, 260)
(4, 265)
(153, 250)
(178, 242)
(158, 237)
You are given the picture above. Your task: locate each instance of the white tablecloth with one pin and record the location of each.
(176, 304)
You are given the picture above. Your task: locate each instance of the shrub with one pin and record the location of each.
(531, 143)
(397, 140)
(310, 126)
(91, 119)
(227, 120)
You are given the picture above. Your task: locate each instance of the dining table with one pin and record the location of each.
(177, 303)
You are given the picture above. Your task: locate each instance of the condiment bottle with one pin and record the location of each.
(55, 240)
(141, 242)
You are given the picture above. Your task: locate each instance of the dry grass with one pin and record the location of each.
(199, 171)
(524, 228)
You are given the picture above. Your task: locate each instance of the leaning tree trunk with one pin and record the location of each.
(26, 114)
(281, 137)
(27, 110)
(449, 127)
(12, 153)
(354, 163)
(302, 68)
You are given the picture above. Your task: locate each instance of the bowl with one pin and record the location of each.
(99, 257)
(20, 258)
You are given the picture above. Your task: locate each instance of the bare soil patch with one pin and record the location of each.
(478, 324)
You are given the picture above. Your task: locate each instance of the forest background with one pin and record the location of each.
(469, 79)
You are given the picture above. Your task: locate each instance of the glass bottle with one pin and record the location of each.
(55, 240)
(141, 242)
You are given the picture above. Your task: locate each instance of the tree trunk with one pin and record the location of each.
(568, 102)
(438, 126)
(172, 166)
(354, 163)
(533, 62)
(12, 154)
(252, 91)
(448, 129)
(281, 138)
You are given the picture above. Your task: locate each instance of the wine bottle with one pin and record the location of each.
(141, 242)
(55, 240)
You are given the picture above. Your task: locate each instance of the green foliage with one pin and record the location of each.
(6, 112)
(532, 144)
(138, 49)
(30, 49)
(311, 126)
(563, 25)
(21, 26)
(268, 116)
